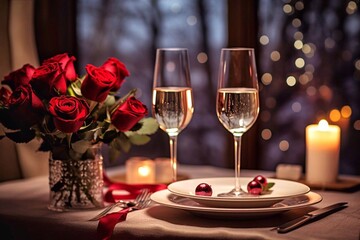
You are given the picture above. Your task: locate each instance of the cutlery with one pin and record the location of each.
(143, 203)
(140, 199)
(310, 216)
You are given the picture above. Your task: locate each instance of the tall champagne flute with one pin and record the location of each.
(237, 103)
(172, 99)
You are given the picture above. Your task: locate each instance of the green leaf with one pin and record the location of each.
(113, 154)
(121, 143)
(44, 147)
(60, 135)
(89, 136)
(81, 146)
(89, 127)
(269, 186)
(149, 126)
(68, 138)
(125, 145)
(75, 88)
(109, 135)
(118, 145)
(139, 139)
(22, 136)
(109, 101)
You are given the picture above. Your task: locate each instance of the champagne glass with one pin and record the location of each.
(237, 103)
(172, 99)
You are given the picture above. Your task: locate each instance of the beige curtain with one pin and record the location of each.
(18, 43)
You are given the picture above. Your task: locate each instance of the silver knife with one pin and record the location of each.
(286, 227)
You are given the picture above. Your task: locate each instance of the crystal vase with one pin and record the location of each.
(76, 184)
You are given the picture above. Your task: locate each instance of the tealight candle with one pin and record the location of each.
(322, 152)
(140, 170)
(163, 170)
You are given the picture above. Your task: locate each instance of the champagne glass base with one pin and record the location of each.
(234, 193)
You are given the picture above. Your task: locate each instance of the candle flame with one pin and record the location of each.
(323, 124)
(144, 171)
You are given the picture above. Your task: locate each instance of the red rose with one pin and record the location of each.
(19, 77)
(97, 83)
(69, 113)
(48, 80)
(24, 109)
(119, 69)
(4, 96)
(128, 114)
(66, 63)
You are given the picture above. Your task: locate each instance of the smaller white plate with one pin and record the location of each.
(281, 190)
(164, 197)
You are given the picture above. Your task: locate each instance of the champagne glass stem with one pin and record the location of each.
(173, 156)
(237, 143)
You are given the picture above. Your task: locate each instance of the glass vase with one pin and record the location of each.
(76, 184)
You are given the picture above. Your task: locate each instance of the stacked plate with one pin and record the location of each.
(285, 195)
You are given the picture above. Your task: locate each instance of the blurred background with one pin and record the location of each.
(308, 62)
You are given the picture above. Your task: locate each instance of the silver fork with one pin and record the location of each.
(143, 197)
(143, 202)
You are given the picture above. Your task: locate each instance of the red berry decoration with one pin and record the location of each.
(254, 187)
(262, 180)
(203, 189)
(259, 185)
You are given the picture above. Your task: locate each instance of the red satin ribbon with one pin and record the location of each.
(107, 223)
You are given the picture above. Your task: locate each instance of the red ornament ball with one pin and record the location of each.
(203, 189)
(262, 180)
(254, 187)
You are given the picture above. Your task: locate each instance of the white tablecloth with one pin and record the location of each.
(23, 215)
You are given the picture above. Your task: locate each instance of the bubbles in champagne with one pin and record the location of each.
(237, 108)
(173, 108)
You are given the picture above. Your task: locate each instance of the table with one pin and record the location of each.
(23, 215)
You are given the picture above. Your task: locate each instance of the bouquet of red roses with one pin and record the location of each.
(52, 103)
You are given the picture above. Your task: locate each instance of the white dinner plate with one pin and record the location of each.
(166, 198)
(281, 190)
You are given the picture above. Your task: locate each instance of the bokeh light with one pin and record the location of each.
(299, 5)
(334, 115)
(296, 22)
(325, 92)
(357, 64)
(298, 35)
(296, 107)
(357, 125)
(288, 9)
(311, 91)
(264, 40)
(298, 44)
(266, 78)
(284, 145)
(291, 81)
(266, 134)
(346, 111)
(275, 56)
(351, 7)
(299, 63)
(202, 57)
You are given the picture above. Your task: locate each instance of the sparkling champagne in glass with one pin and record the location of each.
(237, 103)
(172, 100)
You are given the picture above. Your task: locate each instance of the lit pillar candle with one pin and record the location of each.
(163, 170)
(322, 152)
(140, 170)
